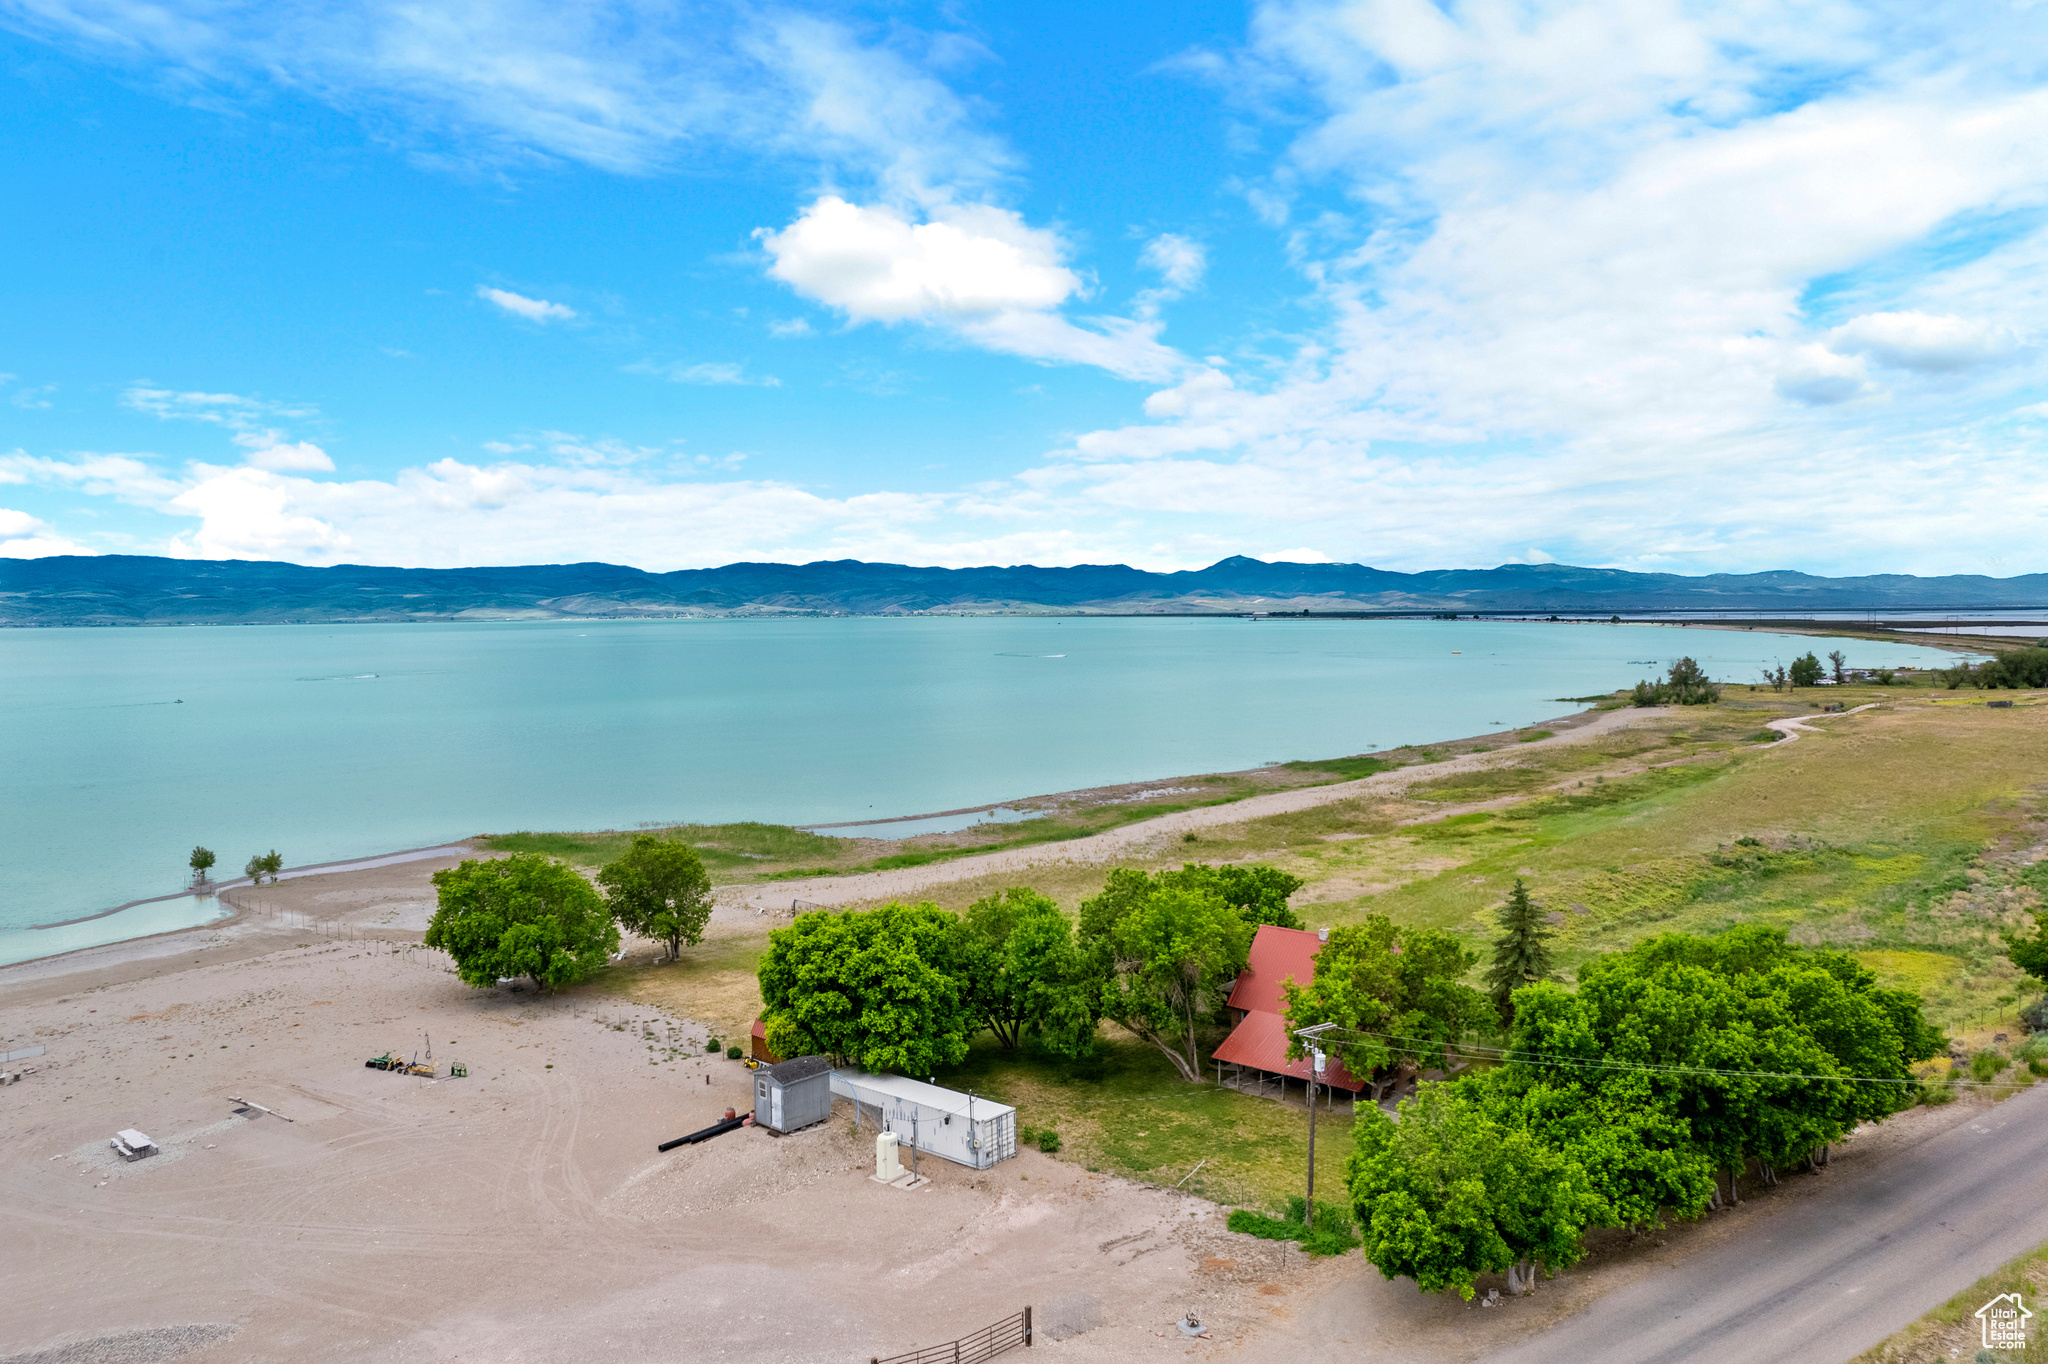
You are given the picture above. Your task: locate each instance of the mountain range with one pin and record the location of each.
(120, 589)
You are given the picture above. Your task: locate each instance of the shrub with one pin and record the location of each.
(1048, 1141)
(1986, 1064)
(2034, 1018)
(732, 1053)
(713, 1047)
(1934, 1096)
(1333, 1233)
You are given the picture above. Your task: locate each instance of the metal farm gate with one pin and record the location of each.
(986, 1343)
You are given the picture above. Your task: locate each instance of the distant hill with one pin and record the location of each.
(120, 589)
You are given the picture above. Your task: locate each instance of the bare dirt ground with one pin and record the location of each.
(523, 1214)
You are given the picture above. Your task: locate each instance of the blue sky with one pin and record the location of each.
(1649, 284)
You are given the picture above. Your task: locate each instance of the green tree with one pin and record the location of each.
(1259, 892)
(1839, 660)
(1688, 684)
(885, 988)
(523, 915)
(201, 862)
(1451, 1192)
(1397, 995)
(1685, 684)
(1806, 670)
(1171, 960)
(659, 889)
(1760, 1049)
(1521, 954)
(263, 864)
(2015, 668)
(2029, 951)
(1027, 976)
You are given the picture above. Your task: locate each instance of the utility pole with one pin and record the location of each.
(1308, 1207)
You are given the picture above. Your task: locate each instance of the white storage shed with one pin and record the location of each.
(962, 1128)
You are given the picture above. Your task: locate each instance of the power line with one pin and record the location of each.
(1573, 1062)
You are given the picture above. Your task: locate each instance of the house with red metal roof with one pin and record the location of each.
(1255, 1053)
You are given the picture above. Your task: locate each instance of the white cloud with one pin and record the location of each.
(126, 478)
(1179, 261)
(532, 309)
(1916, 340)
(712, 373)
(269, 450)
(231, 410)
(975, 269)
(1816, 375)
(26, 537)
(1573, 255)
(1911, 507)
(30, 396)
(623, 86)
(793, 327)
(876, 265)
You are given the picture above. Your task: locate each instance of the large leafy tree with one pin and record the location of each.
(1761, 1050)
(1452, 1191)
(1170, 962)
(1806, 670)
(659, 889)
(1521, 954)
(886, 989)
(523, 915)
(1396, 995)
(1027, 976)
(1258, 892)
(201, 862)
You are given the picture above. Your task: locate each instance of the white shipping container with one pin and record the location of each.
(962, 1128)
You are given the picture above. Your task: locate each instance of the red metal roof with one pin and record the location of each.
(1277, 955)
(1261, 1042)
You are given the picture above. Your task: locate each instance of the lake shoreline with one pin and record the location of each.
(751, 891)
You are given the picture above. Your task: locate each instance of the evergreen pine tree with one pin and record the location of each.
(1521, 955)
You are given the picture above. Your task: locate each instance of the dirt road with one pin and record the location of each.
(1114, 843)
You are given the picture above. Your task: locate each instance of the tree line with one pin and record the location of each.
(905, 987)
(529, 915)
(2014, 668)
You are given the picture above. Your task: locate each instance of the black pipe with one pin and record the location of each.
(717, 1129)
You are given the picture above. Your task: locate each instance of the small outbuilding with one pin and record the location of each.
(793, 1093)
(963, 1128)
(759, 1050)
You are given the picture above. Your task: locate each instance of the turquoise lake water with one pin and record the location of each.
(122, 748)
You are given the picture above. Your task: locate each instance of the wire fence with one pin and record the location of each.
(299, 921)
